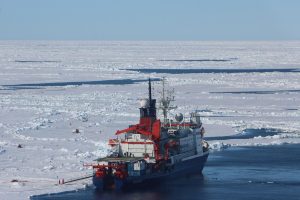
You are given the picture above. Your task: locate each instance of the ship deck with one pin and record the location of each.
(119, 159)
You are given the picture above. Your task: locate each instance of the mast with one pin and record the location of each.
(165, 101)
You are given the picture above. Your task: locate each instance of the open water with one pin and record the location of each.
(246, 173)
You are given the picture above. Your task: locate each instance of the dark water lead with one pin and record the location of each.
(292, 109)
(202, 60)
(75, 83)
(247, 173)
(215, 71)
(20, 88)
(259, 92)
(37, 61)
(248, 134)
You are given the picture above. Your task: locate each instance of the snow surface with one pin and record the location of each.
(42, 119)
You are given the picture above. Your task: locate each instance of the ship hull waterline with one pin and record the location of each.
(188, 167)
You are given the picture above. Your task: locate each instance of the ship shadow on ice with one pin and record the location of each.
(214, 71)
(74, 83)
(248, 134)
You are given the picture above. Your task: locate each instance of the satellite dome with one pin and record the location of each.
(179, 117)
(144, 103)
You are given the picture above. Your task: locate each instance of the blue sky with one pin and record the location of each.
(150, 19)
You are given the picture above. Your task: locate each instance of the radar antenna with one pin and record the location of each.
(165, 102)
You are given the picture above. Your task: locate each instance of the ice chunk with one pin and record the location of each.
(219, 146)
(83, 117)
(2, 150)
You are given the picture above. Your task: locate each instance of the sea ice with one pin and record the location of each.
(41, 117)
